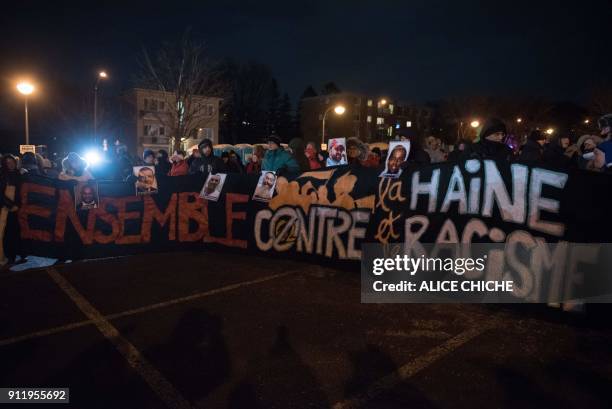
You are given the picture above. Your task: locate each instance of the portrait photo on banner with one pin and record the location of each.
(397, 156)
(146, 183)
(265, 186)
(336, 149)
(213, 186)
(86, 196)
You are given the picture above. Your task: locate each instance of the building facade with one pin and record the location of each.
(367, 118)
(150, 117)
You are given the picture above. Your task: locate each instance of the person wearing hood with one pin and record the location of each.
(533, 149)
(358, 154)
(277, 159)
(491, 142)
(208, 162)
(234, 164)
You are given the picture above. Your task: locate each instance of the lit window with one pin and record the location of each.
(369, 102)
(369, 118)
(408, 124)
(380, 120)
(390, 131)
(391, 108)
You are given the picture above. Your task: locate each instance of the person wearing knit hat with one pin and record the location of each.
(208, 162)
(491, 142)
(277, 159)
(273, 139)
(533, 148)
(493, 130)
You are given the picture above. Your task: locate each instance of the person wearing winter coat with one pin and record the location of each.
(234, 165)
(30, 165)
(458, 151)
(74, 168)
(277, 159)
(314, 158)
(162, 163)
(10, 184)
(208, 162)
(554, 153)
(586, 151)
(179, 164)
(603, 151)
(296, 145)
(533, 149)
(254, 165)
(359, 154)
(491, 142)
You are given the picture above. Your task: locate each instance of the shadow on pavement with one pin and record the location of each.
(280, 380)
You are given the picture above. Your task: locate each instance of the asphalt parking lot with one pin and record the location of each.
(210, 330)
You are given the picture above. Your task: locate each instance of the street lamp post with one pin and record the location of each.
(101, 75)
(339, 110)
(26, 89)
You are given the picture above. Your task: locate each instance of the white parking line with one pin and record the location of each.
(156, 381)
(412, 368)
(67, 327)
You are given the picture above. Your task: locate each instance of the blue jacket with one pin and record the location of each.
(279, 158)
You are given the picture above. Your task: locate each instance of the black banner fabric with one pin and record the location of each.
(321, 215)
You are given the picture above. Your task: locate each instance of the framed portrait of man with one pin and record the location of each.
(265, 186)
(396, 157)
(146, 182)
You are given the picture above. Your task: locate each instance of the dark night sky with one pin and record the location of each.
(412, 50)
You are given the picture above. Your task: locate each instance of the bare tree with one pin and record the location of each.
(184, 74)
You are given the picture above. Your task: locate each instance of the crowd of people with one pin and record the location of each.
(589, 152)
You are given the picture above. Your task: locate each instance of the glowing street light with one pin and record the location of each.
(550, 131)
(474, 124)
(586, 121)
(383, 102)
(339, 110)
(519, 120)
(102, 75)
(26, 89)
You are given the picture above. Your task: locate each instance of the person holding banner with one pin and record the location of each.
(277, 159)
(491, 142)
